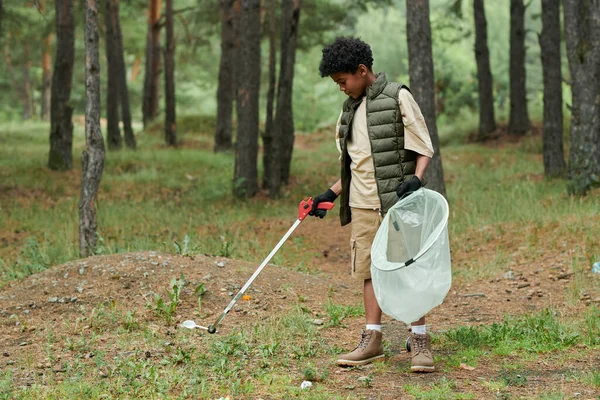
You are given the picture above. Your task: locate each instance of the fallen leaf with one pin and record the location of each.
(467, 367)
(246, 297)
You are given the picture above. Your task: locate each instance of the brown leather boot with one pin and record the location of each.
(420, 350)
(368, 350)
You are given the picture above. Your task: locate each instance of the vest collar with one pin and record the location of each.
(372, 91)
(352, 104)
(377, 87)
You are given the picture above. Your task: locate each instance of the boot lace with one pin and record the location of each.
(420, 344)
(364, 340)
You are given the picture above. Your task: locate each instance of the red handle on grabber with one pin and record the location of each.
(306, 205)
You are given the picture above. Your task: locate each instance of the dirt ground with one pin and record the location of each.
(526, 281)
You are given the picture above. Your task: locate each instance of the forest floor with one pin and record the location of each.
(108, 326)
(72, 313)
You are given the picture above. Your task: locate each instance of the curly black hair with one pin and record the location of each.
(345, 54)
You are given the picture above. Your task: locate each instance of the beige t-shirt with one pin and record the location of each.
(363, 187)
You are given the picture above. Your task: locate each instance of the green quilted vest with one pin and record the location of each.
(393, 164)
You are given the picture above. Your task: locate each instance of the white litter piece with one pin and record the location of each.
(306, 385)
(192, 325)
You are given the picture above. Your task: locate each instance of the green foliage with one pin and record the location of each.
(590, 326)
(194, 123)
(368, 381)
(469, 337)
(592, 378)
(443, 389)
(309, 373)
(101, 245)
(227, 247)
(167, 309)
(6, 388)
(199, 291)
(514, 378)
(131, 323)
(337, 312)
(31, 260)
(320, 21)
(185, 249)
(316, 101)
(542, 332)
(511, 178)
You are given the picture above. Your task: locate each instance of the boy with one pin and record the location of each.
(385, 149)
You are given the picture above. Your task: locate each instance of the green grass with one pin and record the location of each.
(591, 378)
(154, 197)
(541, 332)
(523, 341)
(492, 186)
(444, 389)
(140, 361)
(338, 312)
(148, 199)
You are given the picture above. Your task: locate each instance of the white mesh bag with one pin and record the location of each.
(410, 256)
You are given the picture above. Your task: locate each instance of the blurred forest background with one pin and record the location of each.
(28, 34)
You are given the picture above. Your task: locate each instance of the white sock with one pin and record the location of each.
(419, 329)
(374, 327)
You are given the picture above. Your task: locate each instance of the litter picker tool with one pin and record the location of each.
(303, 210)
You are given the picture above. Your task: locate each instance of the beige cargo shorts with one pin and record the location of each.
(364, 227)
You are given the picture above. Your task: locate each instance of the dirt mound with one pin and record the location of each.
(132, 281)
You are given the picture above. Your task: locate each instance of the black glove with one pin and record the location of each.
(407, 187)
(328, 196)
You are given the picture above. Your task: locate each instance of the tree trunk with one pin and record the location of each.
(226, 90)
(170, 118)
(122, 76)
(46, 71)
(518, 122)
(287, 120)
(46, 78)
(554, 159)
(420, 68)
(582, 32)
(26, 93)
(1, 17)
(245, 181)
(152, 73)
(9, 69)
(156, 56)
(135, 69)
(487, 121)
(113, 132)
(146, 95)
(283, 127)
(61, 124)
(268, 134)
(93, 157)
